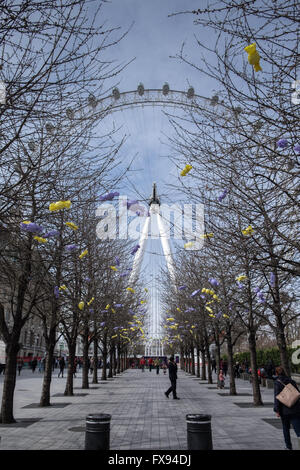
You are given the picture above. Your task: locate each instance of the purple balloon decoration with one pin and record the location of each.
(240, 285)
(272, 279)
(195, 292)
(190, 309)
(118, 305)
(297, 148)
(117, 261)
(282, 143)
(260, 295)
(203, 296)
(56, 291)
(87, 279)
(52, 233)
(109, 196)
(71, 247)
(102, 323)
(219, 315)
(213, 282)
(223, 195)
(131, 203)
(182, 287)
(32, 227)
(135, 249)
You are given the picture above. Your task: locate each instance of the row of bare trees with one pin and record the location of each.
(244, 148)
(55, 67)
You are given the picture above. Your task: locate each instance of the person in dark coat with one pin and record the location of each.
(270, 369)
(62, 364)
(33, 364)
(20, 365)
(288, 415)
(173, 378)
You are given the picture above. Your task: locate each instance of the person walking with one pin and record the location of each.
(221, 379)
(62, 364)
(237, 370)
(142, 364)
(288, 415)
(173, 378)
(20, 365)
(157, 365)
(33, 365)
(91, 366)
(214, 366)
(270, 369)
(150, 363)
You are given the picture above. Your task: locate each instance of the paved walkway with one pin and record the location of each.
(142, 417)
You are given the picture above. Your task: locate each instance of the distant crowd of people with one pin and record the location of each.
(151, 363)
(266, 371)
(57, 363)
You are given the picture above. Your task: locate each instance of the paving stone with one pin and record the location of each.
(142, 417)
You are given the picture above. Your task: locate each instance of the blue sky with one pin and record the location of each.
(153, 38)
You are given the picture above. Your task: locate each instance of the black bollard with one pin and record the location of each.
(97, 432)
(199, 432)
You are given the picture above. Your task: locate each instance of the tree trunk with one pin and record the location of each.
(50, 339)
(85, 363)
(104, 375)
(198, 362)
(119, 361)
(110, 374)
(69, 385)
(230, 361)
(182, 365)
(45, 396)
(95, 371)
(218, 354)
(123, 361)
(209, 372)
(185, 361)
(114, 361)
(255, 385)
(281, 342)
(203, 365)
(7, 416)
(193, 360)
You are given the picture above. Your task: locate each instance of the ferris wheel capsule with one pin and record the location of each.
(165, 89)
(214, 100)
(190, 93)
(70, 113)
(92, 101)
(116, 93)
(140, 89)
